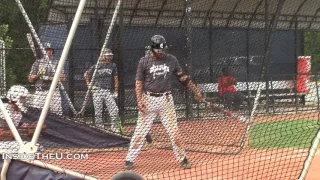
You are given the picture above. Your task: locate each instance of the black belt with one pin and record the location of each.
(43, 89)
(158, 94)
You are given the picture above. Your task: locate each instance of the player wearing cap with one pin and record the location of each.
(41, 74)
(103, 90)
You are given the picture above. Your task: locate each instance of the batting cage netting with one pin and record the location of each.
(159, 89)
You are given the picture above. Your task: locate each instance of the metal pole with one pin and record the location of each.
(3, 68)
(312, 152)
(97, 25)
(267, 54)
(266, 57)
(210, 50)
(317, 89)
(273, 100)
(58, 72)
(267, 38)
(5, 167)
(101, 54)
(296, 98)
(270, 35)
(188, 23)
(121, 99)
(9, 121)
(247, 72)
(33, 31)
(71, 69)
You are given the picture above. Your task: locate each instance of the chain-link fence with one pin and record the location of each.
(206, 78)
(2, 69)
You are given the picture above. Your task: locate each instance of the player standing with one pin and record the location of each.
(102, 90)
(153, 91)
(41, 74)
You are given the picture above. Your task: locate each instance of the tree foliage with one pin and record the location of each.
(312, 48)
(19, 57)
(4, 37)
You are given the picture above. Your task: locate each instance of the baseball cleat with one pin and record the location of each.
(149, 138)
(185, 164)
(243, 119)
(100, 126)
(128, 165)
(114, 129)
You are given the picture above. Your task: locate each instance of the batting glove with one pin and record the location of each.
(115, 95)
(46, 78)
(40, 73)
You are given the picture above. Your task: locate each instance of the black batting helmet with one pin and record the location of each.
(158, 42)
(127, 175)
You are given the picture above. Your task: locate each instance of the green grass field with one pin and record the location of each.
(285, 134)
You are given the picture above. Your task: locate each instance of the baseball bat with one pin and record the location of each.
(221, 108)
(33, 31)
(101, 54)
(31, 43)
(29, 37)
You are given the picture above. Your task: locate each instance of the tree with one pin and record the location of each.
(7, 44)
(19, 57)
(312, 48)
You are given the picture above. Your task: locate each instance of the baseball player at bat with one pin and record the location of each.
(103, 90)
(153, 91)
(41, 74)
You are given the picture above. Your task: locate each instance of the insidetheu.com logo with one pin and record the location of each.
(47, 156)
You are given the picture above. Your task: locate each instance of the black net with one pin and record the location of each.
(209, 89)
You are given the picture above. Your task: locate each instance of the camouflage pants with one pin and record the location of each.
(55, 104)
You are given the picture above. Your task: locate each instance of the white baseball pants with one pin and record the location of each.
(55, 104)
(104, 96)
(162, 106)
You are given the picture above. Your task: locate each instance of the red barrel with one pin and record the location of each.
(303, 74)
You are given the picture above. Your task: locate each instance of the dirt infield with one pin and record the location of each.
(287, 117)
(314, 173)
(160, 164)
(153, 163)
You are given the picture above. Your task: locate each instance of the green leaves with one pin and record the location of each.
(4, 37)
(13, 29)
(312, 48)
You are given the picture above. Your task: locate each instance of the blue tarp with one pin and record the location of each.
(60, 133)
(22, 171)
(64, 133)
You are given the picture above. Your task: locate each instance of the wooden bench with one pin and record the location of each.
(277, 91)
